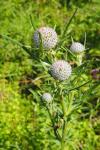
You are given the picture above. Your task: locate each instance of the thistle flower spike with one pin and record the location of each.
(77, 47)
(48, 36)
(61, 70)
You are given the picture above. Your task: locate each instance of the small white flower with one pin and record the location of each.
(48, 36)
(77, 47)
(47, 97)
(61, 70)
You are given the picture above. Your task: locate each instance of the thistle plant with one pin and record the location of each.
(57, 77)
(60, 80)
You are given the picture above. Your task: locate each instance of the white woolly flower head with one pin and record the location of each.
(61, 70)
(77, 47)
(47, 97)
(48, 36)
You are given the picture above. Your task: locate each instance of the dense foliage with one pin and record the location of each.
(25, 122)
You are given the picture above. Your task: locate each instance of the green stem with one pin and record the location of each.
(65, 119)
(63, 106)
(79, 59)
(63, 135)
(53, 124)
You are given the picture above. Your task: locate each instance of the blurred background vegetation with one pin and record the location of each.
(23, 123)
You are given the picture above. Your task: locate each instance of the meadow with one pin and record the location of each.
(71, 120)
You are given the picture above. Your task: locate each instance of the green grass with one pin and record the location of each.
(24, 121)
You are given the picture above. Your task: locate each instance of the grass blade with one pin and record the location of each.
(70, 20)
(26, 48)
(32, 22)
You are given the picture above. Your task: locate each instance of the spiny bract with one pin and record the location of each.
(61, 70)
(77, 47)
(48, 36)
(47, 97)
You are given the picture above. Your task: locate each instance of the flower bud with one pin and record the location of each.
(47, 97)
